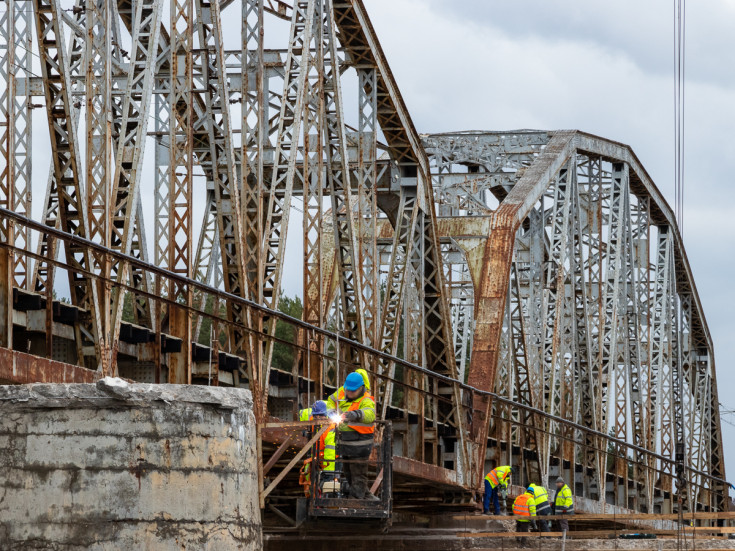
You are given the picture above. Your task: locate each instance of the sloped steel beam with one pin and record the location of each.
(284, 168)
(131, 147)
(67, 184)
(492, 287)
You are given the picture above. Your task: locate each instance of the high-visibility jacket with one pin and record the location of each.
(563, 501)
(364, 404)
(327, 448)
(499, 476)
(540, 495)
(525, 507)
(328, 455)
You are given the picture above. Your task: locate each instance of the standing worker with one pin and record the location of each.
(355, 432)
(524, 507)
(543, 508)
(495, 481)
(327, 450)
(563, 503)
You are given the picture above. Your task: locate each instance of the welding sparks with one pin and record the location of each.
(335, 418)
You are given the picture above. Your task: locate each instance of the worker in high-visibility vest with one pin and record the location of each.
(543, 507)
(356, 430)
(327, 448)
(563, 503)
(495, 482)
(524, 508)
(320, 407)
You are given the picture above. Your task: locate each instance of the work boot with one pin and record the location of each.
(371, 497)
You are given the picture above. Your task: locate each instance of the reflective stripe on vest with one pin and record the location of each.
(362, 428)
(492, 476)
(540, 494)
(564, 501)
(521, 506)
(328, 450)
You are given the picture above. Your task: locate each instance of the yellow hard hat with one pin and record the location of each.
(365, 377)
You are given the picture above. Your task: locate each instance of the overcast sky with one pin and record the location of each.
(601, 67)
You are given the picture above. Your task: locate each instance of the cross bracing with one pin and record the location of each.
(537, 278)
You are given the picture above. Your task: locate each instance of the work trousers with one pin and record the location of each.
(355, 466)
(491, 494)
(543, 511)
(522, 526)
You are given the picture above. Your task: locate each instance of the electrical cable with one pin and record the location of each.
(679, 113)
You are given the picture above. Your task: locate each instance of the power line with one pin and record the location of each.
(679, 108)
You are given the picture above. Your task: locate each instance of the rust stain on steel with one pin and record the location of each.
(21, 368)
(280, 435)
(454, 226)
(425, 471)
(492, 288)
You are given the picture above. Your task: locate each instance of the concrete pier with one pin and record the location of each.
(114, 465)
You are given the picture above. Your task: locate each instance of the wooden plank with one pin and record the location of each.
(295, 424)
(377, 483)
(293, 462)
(595, 533)
(722, 515)
(277, 455)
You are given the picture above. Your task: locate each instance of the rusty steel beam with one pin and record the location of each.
(492, 287)
(20, 368)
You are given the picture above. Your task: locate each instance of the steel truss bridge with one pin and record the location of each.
(519, 297)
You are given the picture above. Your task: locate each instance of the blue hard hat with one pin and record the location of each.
(353, 381)
(530, 490)
(319, 408)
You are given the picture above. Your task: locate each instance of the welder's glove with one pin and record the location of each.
(354, 415)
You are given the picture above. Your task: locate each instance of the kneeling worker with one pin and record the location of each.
(355, 440)
(525, 509)
(543, 507)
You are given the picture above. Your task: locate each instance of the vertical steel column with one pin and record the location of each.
(22, 131)
(555, 308)
(7, 168)
(181, 156)
(367, 209)
(98, 89)
(254, 135)
(660, 398)
(584, 382)
(162, 154)
(284, 168)
(394, 293)
(130, 149)
(313, 201)
(341, 190)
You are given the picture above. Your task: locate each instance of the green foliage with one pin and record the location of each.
(283, 354)
(204, 336)
(128, 313)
